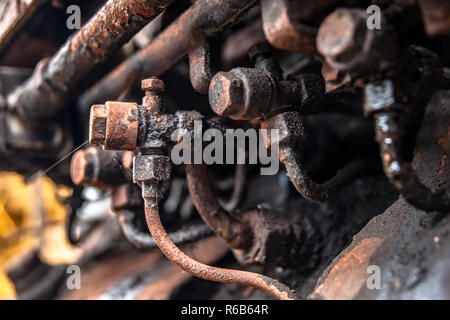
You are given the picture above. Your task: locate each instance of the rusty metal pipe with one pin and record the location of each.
(206, 272)
(46, 91)
(206, 18)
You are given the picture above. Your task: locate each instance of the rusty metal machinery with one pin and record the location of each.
(348, 100)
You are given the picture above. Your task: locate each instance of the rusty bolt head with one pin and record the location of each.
(153, 84)
(114, 125)
(226, 94)
(97, 124)
(341, 35)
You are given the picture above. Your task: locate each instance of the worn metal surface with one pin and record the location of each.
(52, 84)
(410, 246)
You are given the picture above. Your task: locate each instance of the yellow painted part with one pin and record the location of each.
(32, 217)
(7, 289)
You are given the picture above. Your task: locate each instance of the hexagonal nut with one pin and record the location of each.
(151, 167)
(341, 35)
(226, 94)
(153, 84)
(97, 124)
(289, 128)
(379, 96)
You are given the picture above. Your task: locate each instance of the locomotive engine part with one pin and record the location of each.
(346, 100)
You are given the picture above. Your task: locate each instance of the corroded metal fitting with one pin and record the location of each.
(114, 125)
(259, 92)
(151, 167)
(242, 93)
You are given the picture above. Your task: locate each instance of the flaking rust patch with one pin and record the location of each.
(349, 274)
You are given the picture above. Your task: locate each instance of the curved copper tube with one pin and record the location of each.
(206, 272)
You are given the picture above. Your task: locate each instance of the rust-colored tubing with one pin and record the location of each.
(52, 82)
(206, 272)
(205, 18)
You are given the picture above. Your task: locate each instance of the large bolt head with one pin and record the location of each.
(97, 125)
(226, 94)
(114, 125)
(341, 35)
